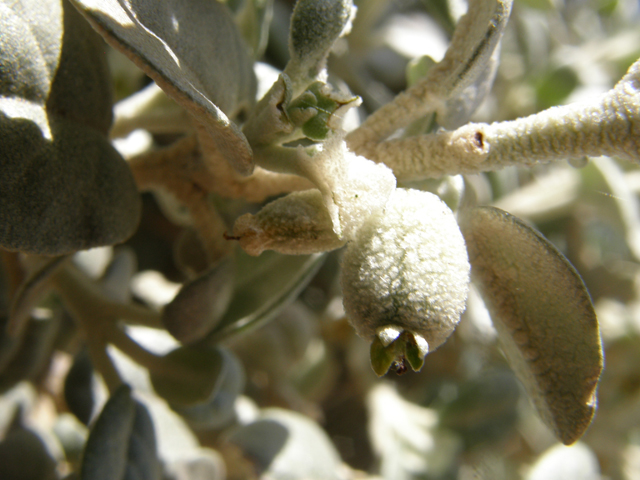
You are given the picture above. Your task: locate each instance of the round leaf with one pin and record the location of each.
(70, 193)
(63, 187)
(543, 315)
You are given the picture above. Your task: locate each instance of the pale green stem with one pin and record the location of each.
(150, 109)
(156, 364)
(31, 290)
(608, 125)
(83, 299)
(84, 295)
(103, 363)
(135, 314)
(474, 41)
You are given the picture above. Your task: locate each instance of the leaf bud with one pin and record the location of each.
(315, 26)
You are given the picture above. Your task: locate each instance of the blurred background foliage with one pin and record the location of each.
(296, 397)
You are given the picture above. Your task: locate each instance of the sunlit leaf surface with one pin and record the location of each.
(194, 52)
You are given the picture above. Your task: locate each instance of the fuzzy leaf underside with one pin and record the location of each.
(194, 52)
(543, 314)
(63, 187)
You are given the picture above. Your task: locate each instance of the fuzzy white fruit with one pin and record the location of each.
(408, 269)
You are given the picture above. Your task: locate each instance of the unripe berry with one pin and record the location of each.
(405, 278)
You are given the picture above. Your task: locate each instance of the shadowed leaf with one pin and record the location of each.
(63, 187)
(270, 283)
(191, 376)
(219, 410)
(79, 387)
(200, 304)
(31, 292)
(24, 456)
(194, 52)
(543, 315)
(122, 442)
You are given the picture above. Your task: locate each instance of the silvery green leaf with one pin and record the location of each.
(63, 187)
(264, 286)
(194, 52)
(122, 444)
(542, 313)
(200, 304)
(458, 109)
(33, 353)
(472, 47)
(285, 445)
